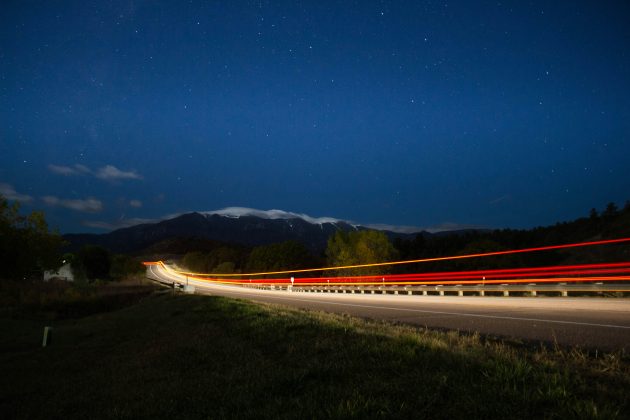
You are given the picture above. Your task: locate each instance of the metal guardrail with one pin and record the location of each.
(463, 290)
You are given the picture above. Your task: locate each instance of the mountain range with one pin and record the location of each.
(236, 225)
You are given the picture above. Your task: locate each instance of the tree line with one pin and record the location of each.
(367, 246)
(344, 248)
(93, 262)
(610, 222)
(28, 248)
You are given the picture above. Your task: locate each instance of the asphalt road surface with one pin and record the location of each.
(594, 323)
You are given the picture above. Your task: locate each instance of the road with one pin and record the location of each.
(594, 323)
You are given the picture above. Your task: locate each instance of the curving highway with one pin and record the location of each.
(595, 323)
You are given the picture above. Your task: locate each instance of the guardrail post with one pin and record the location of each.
(424, 293)
(409, 292)
(460, 293)
(506, 293)
(441, 292)
(482, 293)
(565, 293)
(533, 293)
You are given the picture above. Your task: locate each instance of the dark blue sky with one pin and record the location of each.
(497, 114)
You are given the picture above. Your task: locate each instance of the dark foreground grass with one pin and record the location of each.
(210, 357)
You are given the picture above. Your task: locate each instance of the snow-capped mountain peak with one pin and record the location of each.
(236, 212)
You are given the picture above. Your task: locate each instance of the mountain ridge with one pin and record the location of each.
(236, 225)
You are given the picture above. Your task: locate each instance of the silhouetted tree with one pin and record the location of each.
(611, 210)
(226, 267)
(94, 262)
(122, 266)
(221, 255)
(195, 261)
(282, 256)
(27, 247)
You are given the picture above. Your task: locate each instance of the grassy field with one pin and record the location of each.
(181, 356)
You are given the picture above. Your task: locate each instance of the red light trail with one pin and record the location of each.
(578, 273)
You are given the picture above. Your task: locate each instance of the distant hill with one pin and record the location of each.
(245, 228)
(608, 224)
(175, 247)
(242, 229)
(249, 229)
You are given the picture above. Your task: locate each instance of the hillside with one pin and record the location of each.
(244, 230)
(610, 223)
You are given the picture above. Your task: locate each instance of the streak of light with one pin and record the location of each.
(423, 260)
(555, 274)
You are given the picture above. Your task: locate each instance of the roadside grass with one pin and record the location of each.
(183, 356)
(62, 299)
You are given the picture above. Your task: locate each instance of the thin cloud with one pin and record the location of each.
(500, 199)
(9, 193)
(62, 170)
(443, 227)
(110, 172)
(135, 203)
(88, 205)
(107, 172)
(448, 226)
(74, 170)
(395, 228)
(82, 169)
(236, 212)
(119, 224)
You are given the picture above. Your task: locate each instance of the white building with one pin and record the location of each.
(64, 273)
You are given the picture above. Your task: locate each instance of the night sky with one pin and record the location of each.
(494, 114)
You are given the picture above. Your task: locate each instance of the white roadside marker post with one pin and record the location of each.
(47, 336)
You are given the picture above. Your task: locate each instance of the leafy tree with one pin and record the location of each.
(195, 261)
(27, 247)
(360, 247)
(226, 267)
(123, 265)
(209, 262)
(94, 261)
(279, 257)
(221, 255)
